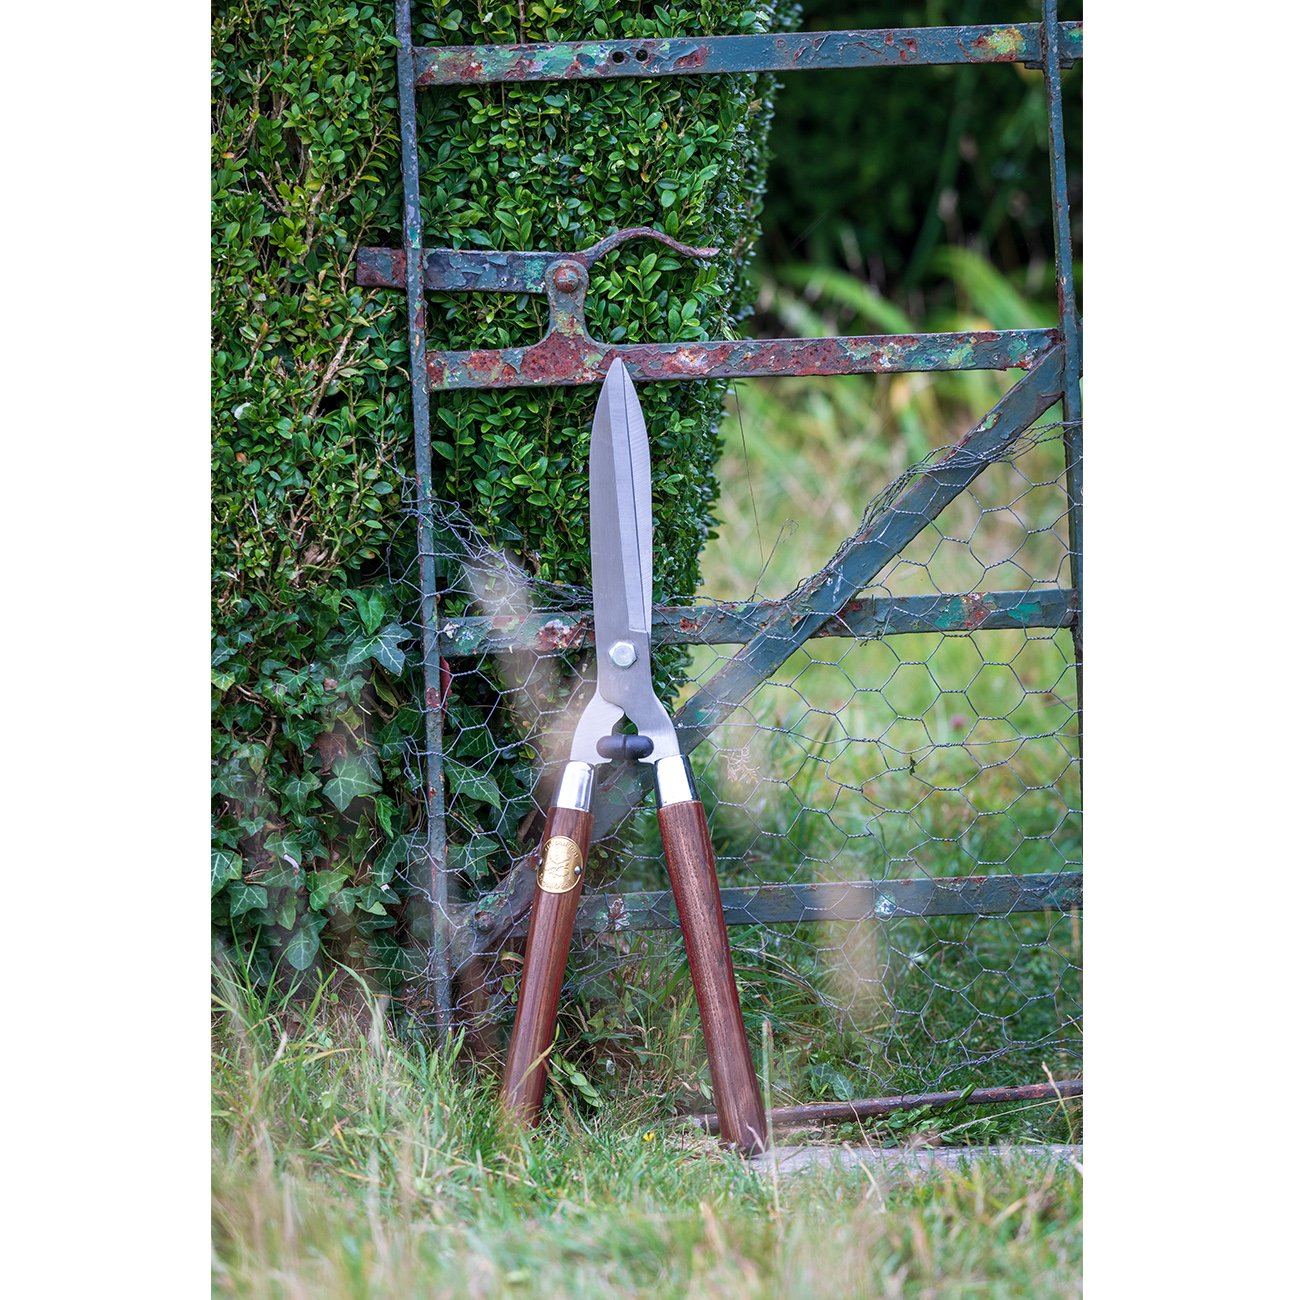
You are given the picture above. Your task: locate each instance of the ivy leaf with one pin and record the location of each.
(302, 947)
(297, 789)
(474, 858)
(245, 898)
(351, 780)
(382, 647)
(394, 857)
(385, 811)
(284, 846)
(371, 608)
(374, 899)
(225, 866)
(282, 875)
(473, 785)
(323, 886)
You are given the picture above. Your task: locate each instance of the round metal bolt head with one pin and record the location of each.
(567, 277)
(622, 654)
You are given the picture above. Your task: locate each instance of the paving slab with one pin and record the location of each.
(909, 1160)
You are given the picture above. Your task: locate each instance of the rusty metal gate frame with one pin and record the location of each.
(769, 632)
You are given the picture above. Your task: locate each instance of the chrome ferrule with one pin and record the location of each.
(574, 790)
(674, 781)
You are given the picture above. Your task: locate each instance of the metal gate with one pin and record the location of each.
(833, 602)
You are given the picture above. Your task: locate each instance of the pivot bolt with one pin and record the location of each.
(622, 654)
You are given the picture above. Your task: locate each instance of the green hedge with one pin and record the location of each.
(316, 798)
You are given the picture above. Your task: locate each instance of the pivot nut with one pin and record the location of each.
(622, 654)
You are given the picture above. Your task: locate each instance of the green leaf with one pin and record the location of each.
(244, 898)
(371, 607)
(282, 875)
(392, 859)
(225, 866)
(297, 790)
(375, 899)
(382, 647)
(475, 858)
(473, 785)
(323, 885)
(351, 780)
(302, 947)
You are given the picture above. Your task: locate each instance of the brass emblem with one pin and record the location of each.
(561, 865)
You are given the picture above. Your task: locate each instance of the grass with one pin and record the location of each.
(346, 1163)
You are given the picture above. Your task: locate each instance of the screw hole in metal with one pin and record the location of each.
(642, 55)
(618, 57)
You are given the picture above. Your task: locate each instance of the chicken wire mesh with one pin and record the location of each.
(895, 810)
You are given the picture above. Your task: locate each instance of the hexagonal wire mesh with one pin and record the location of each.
(895, 811)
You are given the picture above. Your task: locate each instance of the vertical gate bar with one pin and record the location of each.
(435, 848)
(1071, 400)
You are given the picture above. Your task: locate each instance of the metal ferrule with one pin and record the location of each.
(574, 790)
(674, 781)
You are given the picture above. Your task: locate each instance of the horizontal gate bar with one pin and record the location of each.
(736, 622)
(837, 901)
(562, 359)
(459, 65)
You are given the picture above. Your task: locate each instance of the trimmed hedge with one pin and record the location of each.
(316, 794)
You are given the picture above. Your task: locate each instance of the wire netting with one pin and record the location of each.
(875, 775)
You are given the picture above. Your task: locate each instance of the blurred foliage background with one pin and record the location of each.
(884, 174)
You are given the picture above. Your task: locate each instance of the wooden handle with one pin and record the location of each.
(550, 933)
(741, 1119)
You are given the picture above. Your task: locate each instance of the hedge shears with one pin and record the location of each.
(621, 582)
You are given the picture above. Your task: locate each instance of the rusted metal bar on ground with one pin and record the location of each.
(821, 902)
(736, 622)
(849, 1112)
(770, 52)
(438, 970)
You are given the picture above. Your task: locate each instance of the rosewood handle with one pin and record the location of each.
(565, 841)
(741, 1119)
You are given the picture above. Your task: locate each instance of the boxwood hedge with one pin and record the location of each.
(316, 797)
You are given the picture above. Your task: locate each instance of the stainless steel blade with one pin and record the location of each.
(621, 541)
(621, 557)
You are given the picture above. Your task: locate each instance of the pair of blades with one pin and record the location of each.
(621, 557)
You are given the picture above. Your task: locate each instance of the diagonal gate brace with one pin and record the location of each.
(857, 562)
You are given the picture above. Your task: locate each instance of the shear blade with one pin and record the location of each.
(621, 529)
(621, 556)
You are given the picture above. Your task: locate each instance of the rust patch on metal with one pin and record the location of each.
(696, 58)
(558, 635)
(974, 612)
